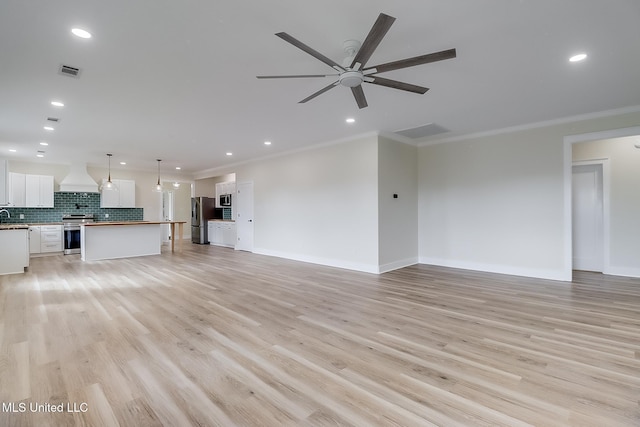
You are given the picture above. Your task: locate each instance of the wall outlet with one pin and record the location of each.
(106, 215)
(21, 216)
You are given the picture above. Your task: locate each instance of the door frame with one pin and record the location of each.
(569, 140)
(606, 191)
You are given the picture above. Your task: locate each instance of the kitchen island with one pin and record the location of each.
(111, 240)
(14, 248)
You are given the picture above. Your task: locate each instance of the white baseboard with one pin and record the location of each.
(365, 268)
(384, 268)
(623, 271)
(500, 269)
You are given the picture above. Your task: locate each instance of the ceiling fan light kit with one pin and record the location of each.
(352, 73)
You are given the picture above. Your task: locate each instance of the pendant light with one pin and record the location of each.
(109, 185)
(158, 186)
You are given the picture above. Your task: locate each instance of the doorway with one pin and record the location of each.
(587, 190)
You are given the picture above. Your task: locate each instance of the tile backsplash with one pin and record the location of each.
(72, 203)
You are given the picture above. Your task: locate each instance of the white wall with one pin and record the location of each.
(497, 202)
(397, 218)
(318, 205)
(624, 206)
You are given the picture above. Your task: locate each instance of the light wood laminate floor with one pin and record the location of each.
(211, 336)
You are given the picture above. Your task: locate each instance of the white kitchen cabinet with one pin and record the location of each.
(34, 239)
(14, 250)
(38, 191)
(45, 239)
(222, 233)
(124, 197)
(228, 187)
(211, 231)
(50, 238)
(218, 193)
(229, 234)
(17, 189)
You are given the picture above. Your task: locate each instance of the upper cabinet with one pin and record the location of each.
(17, 189)
(123, 197)
(30, 191)
(38, 191)
(228, 187)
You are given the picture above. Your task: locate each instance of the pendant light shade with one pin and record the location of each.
(109, 185)
(158, 186)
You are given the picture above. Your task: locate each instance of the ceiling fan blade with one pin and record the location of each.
(375, 36)
(397, 85)
(320, 92)
(298, 76)
(358, 94)
(297, 43)
(412, 62)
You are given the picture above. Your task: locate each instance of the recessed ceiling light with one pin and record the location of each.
(229, 154)
(123, 163)
(40, 155)
(44, 143)
(178, 168)
(83, 34)
(579, 57)
(48, 128)
(13, 150)
(57, 104)
(267, 143)
(350, 120)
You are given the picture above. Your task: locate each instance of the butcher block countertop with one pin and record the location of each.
(100, 224)
(13, 226)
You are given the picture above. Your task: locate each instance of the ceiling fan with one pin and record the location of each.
(352, 73)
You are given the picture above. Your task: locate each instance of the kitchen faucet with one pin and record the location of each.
(8, 214)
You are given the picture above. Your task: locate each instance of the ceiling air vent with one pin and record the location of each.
(53, 119)
(67, 70)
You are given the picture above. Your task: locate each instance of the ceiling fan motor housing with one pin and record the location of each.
(351, 78)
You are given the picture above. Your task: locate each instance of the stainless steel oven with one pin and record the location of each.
(71, 231)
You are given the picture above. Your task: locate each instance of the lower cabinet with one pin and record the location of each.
(45, 239)
(34, 239)
(222, 233)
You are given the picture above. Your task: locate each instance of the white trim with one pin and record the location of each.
(395, 265)
(366, 268)
(529, 126)
(624, 271)
(208, 173)
(569, 140)
(537, 273)
(606, 214)
(398, 138)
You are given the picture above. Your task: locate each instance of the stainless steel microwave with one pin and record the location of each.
(225, 200)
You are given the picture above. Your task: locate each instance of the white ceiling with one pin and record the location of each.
(176, 79)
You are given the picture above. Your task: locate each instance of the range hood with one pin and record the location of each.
(78, 181)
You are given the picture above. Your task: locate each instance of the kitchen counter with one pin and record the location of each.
(110, 240)
(14, 227)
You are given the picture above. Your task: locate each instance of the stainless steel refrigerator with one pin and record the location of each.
(202, 210)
